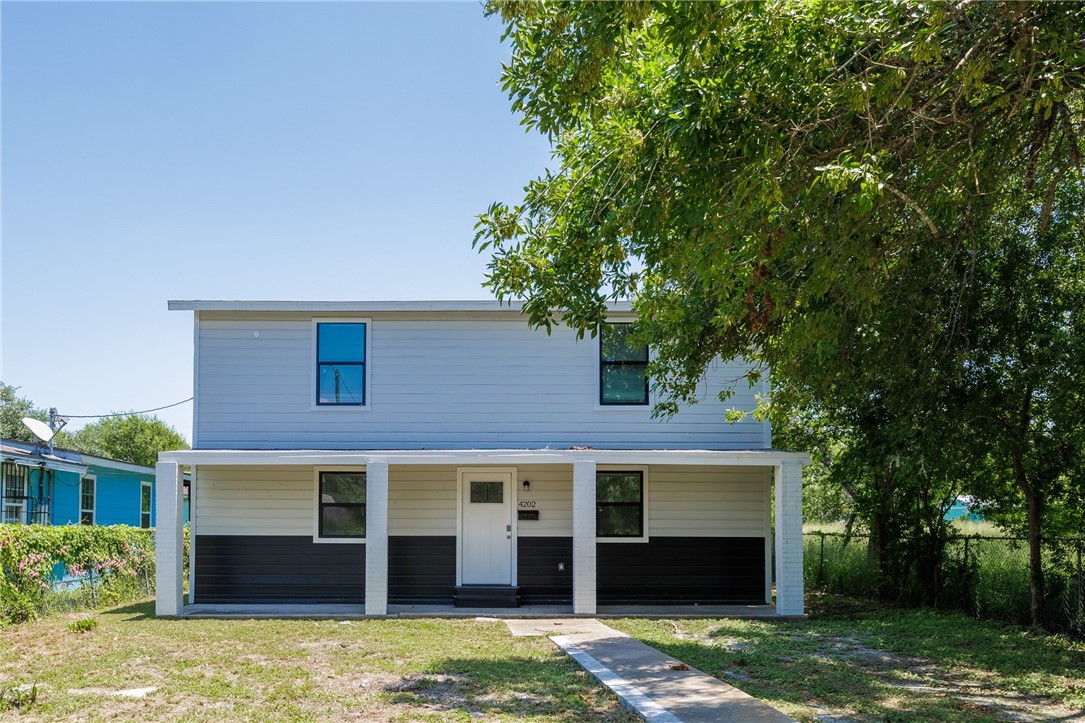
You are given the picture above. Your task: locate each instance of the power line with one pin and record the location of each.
(125, 414)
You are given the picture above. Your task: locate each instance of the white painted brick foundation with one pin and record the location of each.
(789, 583)
(376, 538)
(584, 537)
(168, 539)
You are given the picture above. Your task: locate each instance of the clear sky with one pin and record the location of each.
(205, 150)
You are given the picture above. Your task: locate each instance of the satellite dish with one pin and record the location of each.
(40, 429)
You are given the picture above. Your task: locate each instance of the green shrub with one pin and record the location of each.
(114, 564)
(83, 625)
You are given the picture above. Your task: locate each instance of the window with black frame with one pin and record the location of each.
(619, 504)
(623, 367)
(342, 504)
(340, 364)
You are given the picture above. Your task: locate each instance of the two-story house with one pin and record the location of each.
(395, 454)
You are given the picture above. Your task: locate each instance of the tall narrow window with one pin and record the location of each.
(342, 504)
(619, 504)
(144, 504)
(14, 493)
(340, 364)
(86, 500)
(623, 367)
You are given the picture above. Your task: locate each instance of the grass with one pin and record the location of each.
(286, 670)
(863, 662)
(850, 660)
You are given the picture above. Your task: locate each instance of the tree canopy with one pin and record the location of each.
(12, 410)
(136, 438)
(875, 200)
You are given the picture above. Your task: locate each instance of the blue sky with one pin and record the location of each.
(156, 151)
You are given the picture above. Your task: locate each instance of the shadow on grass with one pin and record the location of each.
(886, 663)
(522, 687)
(133, 611)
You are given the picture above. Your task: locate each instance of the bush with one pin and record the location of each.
(112, 565)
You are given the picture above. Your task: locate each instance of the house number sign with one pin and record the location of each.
(526, 504)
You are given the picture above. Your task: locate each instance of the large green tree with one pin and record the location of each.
(811, 186)
(136, 438)
(12, 410)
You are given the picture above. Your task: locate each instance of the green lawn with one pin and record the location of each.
(861, 662)
(848, 662)
(280, 670)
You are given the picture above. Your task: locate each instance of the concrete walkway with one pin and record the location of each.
(658, 687)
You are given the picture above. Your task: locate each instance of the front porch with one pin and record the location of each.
(357, 612)
(698, 536)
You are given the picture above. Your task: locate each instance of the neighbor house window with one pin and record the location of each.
(86, 501)
(14, 493)
(623, 367)
(144, 504)
(341, 510)
(340, 364)
(619, 504)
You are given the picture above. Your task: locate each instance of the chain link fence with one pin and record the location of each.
(986, 577)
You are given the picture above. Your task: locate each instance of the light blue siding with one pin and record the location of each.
(116, 498)
(453, 381)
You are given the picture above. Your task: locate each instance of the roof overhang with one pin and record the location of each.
(44, 463)
(243, 457)
(364, 306)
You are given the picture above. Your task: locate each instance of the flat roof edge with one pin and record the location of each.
(360, 306)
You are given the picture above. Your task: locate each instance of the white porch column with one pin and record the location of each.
(789, 584)
(584, 537)
(168, 539)
(376, 538)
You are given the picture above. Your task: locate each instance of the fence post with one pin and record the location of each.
(1080, 601)
(821, 561)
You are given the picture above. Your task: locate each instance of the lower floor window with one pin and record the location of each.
(86, 501)
(342, 504)
(145, 504)
(619, 504)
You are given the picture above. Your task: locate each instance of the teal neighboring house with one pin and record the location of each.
(64, 487)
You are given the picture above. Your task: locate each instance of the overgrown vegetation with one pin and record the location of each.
(981, 575)
(47, 569)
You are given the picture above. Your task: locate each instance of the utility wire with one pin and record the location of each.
(125, 414)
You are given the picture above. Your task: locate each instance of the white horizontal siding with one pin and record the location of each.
(454, 381)
(421, 500)
(707, 501)
(254, 500)
(551, 490)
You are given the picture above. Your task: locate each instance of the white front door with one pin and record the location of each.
(486, 528)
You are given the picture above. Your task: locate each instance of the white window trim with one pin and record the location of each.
(645, 498)
(313, 381)
(643, 409)
(150, 513)
(316, 506)
(20, 505)
(93, 510)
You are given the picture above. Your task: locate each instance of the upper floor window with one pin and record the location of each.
(623, 367)
(340, 364)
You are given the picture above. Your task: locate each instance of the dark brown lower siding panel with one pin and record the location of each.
(421, 569)
(540, 580)
(706, 570)
(277, 569)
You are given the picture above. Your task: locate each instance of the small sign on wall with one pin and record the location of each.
(527, 514)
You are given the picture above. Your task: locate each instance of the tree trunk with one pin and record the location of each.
(1035, 549)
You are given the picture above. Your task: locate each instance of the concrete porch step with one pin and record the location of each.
(487, 596)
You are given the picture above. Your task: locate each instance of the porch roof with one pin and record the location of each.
(222, 457)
